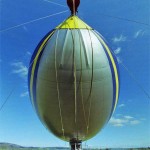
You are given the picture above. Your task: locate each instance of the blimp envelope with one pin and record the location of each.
(73, 81)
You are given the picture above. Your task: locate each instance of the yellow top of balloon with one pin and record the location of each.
(73, 22)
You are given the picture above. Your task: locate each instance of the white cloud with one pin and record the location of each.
(139, 33)
(118, 122)
(24, 94)
(119, 60)
(121, 105)
(117, 51)
(134, 122)
(20, 69)
(121, 38)
(29, 53)
(118, 125)
(123, 121)
(129, 117)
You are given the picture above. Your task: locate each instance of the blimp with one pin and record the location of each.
(74, 80)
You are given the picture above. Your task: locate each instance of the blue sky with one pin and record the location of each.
(130, 124)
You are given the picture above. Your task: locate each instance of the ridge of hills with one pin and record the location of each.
(9, 146)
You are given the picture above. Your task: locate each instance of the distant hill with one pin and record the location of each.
(8, 146)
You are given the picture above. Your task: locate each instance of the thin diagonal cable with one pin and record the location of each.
(125, 19)
(131, 75)
(55, 3)
(22, 24)
(135, 80)
(7, 98)
(12, 91)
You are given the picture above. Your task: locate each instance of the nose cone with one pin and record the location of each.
(73, 5)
